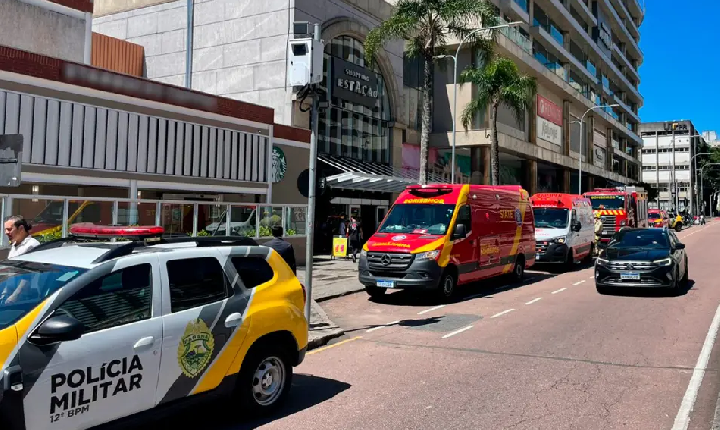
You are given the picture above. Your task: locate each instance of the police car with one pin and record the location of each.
(92, 332)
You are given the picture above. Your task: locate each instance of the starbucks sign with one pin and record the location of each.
(279, 164)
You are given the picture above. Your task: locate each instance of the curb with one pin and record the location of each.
(324, 339)
(336, 295)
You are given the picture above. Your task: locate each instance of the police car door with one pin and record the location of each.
(202, 310)
(111, 371)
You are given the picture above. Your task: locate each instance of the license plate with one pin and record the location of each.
(537, 256)
(386, 284)
(630, 276)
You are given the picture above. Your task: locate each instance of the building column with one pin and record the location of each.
(132, 207)
(531, 176)
(590, 183)
(477, 172)
(590, 155)
(566, 128)
(610, 150)
(566, 181)
(486, 164)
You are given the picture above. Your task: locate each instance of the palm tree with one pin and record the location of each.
(498, 82)
(426, 25)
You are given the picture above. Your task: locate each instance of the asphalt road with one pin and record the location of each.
(549, 354)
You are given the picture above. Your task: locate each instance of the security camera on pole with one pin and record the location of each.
(305, 70)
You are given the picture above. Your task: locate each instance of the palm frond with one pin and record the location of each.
(401, 25)
(518, 96)
(475, 106)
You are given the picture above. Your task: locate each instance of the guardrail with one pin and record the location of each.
(51, 216)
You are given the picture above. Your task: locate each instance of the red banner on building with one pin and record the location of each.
(549, 111)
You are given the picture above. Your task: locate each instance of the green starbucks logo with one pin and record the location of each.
(279, 164)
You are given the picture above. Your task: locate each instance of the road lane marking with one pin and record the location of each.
(315, 351)
(559, 291)
(502, 313)
(453, 333)
(431, 309)
(592, 277)
(381, 326)
(682, 419)
(533, 301)
(579, 282)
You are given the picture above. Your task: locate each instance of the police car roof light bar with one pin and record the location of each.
(90, 230)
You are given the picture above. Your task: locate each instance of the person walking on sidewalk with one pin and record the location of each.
(17, 230)
(283, 247)
(355, 236)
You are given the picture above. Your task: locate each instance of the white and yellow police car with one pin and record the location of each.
(94, 332)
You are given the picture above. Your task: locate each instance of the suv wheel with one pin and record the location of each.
(264, 379)
(375, 292)
(686, 276)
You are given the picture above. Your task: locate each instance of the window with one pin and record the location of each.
(465, 218)
(123, 297)
(195, 282)
(253, 271)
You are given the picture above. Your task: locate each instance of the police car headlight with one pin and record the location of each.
(664, 262)
(559, 239)
(429, 255)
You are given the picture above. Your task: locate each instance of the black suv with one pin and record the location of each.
(638, 257)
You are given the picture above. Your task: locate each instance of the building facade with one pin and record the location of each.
(584, 55)
(668, 157)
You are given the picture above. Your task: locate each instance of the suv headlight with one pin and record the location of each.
(601, 261)
(664, 262)
(429, 255)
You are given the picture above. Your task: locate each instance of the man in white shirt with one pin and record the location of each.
(17, 230)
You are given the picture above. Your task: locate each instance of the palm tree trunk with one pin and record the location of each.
(494, 146)
(426, 118)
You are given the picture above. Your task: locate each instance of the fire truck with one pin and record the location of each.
(619, 207)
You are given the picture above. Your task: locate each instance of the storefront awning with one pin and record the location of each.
(367, 176)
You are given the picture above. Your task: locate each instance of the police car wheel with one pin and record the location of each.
(265, 379)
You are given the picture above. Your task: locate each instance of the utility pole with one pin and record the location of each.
(309, 231)
(673, 188)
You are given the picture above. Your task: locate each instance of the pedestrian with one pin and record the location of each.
(598, 233)
(282, 247)
(17, 230)
(342, 231)
(355, 236)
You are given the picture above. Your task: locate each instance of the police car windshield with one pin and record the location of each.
(551, 217)
(607, 202)
(25, 284)
(418, 219)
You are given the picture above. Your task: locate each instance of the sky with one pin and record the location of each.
(679, 74)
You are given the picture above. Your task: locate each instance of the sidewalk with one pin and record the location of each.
(331, 279)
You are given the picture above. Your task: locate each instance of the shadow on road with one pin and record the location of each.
(402, 323)
(484, 289)
(306, 392)
(651, 292)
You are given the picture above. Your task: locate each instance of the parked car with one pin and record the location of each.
(99, 332)
(645, 258)
(439, 236)
(658, 218)
(564, 228)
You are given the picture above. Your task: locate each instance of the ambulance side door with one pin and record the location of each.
(111, 370)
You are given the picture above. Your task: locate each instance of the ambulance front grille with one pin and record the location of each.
(388, 261)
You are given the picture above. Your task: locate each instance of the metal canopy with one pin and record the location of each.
(367, 176)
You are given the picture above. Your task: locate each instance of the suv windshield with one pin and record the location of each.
(640, 238)
(420, 219)
(607, 202)
(550, 217)
(24, 284)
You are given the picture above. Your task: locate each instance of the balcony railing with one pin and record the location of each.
(516, 37)
(52, 216)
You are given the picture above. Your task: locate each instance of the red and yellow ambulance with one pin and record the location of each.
(438, 236)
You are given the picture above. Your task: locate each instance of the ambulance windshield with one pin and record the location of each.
(418, 219)
(550, 217)
(25, 284)
(600, 202)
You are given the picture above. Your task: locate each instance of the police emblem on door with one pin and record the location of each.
(195, 348)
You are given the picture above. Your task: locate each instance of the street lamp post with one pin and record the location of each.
(693, 184)
(582, 121)
(701, 182)
(455, 78)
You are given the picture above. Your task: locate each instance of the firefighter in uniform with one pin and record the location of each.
(598, 232)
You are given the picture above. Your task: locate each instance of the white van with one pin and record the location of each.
(564, 228)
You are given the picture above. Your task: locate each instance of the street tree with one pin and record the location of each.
(497, 82)
(427, 26)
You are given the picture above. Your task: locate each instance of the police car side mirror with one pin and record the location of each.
(460, 232)
(58, 328)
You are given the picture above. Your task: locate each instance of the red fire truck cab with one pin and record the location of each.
(619, 207)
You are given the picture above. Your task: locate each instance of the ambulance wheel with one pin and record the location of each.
(518, 272)
(446, 288)
(375, 292)
(265, 378)
(569, 259)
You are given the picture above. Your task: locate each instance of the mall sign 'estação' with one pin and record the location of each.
(353, 83)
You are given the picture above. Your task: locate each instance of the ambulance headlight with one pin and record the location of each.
(559, 239)
(363, 253)
(429, 255)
